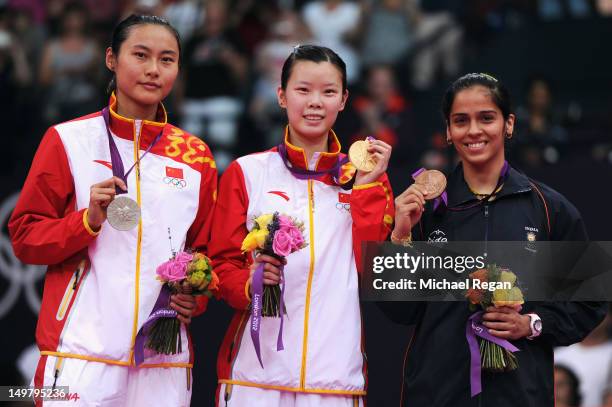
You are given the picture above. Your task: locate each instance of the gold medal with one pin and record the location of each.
(360, 157)
(433, 181)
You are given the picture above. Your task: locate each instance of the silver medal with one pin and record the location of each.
(123, 213)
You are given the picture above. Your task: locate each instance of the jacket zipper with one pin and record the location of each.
(70, 289)
(309, 286)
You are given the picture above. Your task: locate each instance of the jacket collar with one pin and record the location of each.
(459, 192)
(320, 161)
(126, 128)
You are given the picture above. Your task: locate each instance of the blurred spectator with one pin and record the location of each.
(334, 23)
(70, 68)
(264, 111)
(185, 15)
(604, 7)
(591, 360)
(567, 387)
(31, 36)
(550, 10)
(35, 8)
(15, 77)
(388, 31)
(214, 72)
(253, 19)
(437, 48)
(540, 130)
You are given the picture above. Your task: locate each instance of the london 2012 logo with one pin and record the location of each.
(16, 278)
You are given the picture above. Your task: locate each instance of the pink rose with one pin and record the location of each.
(281, 245)
(284, 222)
(174, 269)
(297, 240)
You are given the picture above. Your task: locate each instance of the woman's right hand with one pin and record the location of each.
(409, 207)
(272, 271)
(100, 196)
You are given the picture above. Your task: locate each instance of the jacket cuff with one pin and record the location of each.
(366, 186)
(86, 224)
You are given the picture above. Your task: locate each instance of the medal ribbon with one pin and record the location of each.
(310, 174)
(116, 161)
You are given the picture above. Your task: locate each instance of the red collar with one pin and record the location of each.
(320, 161)
(126, 128)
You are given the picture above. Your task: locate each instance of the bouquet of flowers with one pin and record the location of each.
(187, 273)
(278, 236)
(495, 355)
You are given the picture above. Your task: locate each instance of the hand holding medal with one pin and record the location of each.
(371, 158)
(410, 204)
(101, 196)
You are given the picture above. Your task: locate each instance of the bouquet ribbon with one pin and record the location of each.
(160, 310)
(256, 304)
(475, 328)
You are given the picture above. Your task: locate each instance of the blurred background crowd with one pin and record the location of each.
(554, 56)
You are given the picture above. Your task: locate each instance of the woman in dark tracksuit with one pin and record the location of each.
(487, 201)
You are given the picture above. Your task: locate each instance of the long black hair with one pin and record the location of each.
(122, 32)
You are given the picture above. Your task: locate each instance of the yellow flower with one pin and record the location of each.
(196, 278)
(256, 239)
(264, 220)
(201, 264)
(507, 277)
(510, 297)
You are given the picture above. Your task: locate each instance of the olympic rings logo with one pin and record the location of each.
(17, 278)
(175, 182)
(346, 206)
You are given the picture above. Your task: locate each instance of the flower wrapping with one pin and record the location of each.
(188, 273)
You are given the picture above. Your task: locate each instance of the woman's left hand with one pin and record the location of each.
(507, 323)
(184, 305)
(381, 152)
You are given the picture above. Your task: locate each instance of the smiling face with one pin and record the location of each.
(313, 97)
(477, 127)
(146, 67)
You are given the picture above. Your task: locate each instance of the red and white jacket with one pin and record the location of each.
(322, 330)
(101, 287)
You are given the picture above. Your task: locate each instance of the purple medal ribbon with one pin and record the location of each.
(257, 286)
(310, 174)
(160, 310)
(474, 328)
(116, 161)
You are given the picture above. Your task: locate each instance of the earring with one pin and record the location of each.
(449, 141)
(508, 136)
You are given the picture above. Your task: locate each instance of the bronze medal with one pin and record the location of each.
(433, 181)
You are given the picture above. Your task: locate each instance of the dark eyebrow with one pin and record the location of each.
(144, 47)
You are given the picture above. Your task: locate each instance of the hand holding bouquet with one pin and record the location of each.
(492, 354)
(277, 236)
(186, 273)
